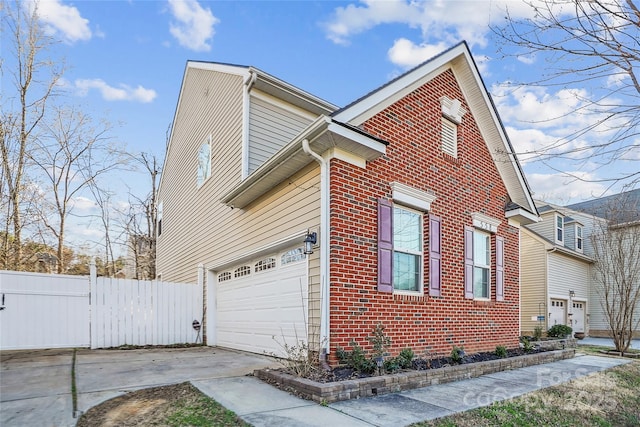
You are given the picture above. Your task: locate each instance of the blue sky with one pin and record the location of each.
(126, 60)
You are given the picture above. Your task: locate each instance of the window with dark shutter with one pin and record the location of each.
(468, 262)
(499, 268)
(385, 246)
(435, 256)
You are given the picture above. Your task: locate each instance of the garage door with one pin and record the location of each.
(262, 304)
(578, 316)
(557, 312)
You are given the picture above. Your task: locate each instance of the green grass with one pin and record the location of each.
(606, 399)
(204, 412)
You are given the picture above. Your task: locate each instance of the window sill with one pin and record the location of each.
(484, 302)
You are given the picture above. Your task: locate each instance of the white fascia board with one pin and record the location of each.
(357, 137)
(413, 78)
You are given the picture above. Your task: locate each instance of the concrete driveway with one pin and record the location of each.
(35, 385)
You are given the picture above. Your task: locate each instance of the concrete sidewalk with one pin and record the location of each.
(35, 387)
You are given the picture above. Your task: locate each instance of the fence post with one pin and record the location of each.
(93, 306)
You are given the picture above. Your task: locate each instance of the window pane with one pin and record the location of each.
(481, 249)
(481, 282)
(407, 233)
(406, 271)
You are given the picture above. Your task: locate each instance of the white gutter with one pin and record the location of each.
(324, 248)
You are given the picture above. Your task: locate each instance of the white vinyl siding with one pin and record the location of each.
(567, 274)
(198, 221)
(533, 282)
(272, 126)
(546, 227)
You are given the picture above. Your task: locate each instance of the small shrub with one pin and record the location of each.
(298, 359)
(526, 345)
(457, 353)
(405, 358)
(380, 341)
(356, 359)
(392, 365)
(501, 351)
(537, 333)
(559, 331)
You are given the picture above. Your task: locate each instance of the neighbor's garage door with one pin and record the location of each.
(578, 316)
(263, 303)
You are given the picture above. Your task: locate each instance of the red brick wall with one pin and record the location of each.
(470, 183)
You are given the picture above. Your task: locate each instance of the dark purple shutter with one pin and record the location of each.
(385, 246)
(499, 268)
(435, 256)
(468, 262)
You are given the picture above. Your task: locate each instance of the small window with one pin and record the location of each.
(481, 264)
(223, 277)
(449, 137)
(265, 264)
(294, 255)
(579, 240)
(204, 162)
(245, 270)
(559, 229)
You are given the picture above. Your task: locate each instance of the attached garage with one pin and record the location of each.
(558, 312)
(577, 316)
(262, 304)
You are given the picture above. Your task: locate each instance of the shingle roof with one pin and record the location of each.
(619, 208)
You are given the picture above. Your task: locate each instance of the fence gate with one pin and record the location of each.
(43, 311)
(144, 312)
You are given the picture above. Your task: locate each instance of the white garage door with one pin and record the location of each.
(262, 304)
(578, 316)
(557, 312)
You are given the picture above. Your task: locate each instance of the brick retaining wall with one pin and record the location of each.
(374, 386)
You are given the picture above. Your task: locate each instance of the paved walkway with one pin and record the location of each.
(35, 387)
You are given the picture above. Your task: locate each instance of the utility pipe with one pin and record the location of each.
(324, 251)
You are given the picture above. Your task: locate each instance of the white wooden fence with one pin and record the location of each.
(57, 311)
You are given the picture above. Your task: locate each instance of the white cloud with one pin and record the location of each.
(565, 188)
(62, 19)
(440, 22)
(193, 26)
(406, 54)
(121, 93)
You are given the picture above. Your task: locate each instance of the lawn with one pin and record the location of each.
(608, 398)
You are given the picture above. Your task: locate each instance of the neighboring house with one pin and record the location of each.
(555, 265)
(410, 199)
(622, 211)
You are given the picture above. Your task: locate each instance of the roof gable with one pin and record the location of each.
(459, 60)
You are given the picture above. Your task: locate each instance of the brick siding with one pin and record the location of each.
(463, 185)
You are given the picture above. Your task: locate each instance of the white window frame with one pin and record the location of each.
(204, 169)
(558, 230)
(419, 254)
(159, 209)
(478, 264)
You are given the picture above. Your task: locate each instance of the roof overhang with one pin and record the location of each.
(323, 134)
(522, 215)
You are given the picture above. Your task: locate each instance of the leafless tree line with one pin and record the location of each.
(51, 154)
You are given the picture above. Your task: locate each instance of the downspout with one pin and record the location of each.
(246, 102)
(324, 252)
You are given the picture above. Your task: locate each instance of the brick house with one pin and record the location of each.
(317, 223)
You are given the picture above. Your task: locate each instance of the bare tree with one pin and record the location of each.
(616, 244)
(72, 153)
(34, 79)
(140, 221)
(593, 43)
